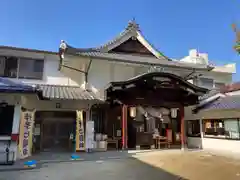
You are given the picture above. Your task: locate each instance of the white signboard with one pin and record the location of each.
(37, 130)
(89, 135)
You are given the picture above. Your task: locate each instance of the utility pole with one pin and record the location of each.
(237, 32)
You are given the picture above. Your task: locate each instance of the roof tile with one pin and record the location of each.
(67, 92)
(228, 102)
(7, 85)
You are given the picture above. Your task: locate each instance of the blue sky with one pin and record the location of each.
(173, 26)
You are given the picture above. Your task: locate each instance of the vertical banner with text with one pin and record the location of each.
(26, 134)
(80, 132)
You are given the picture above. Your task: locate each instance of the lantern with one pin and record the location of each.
(133, 112)
(174, 113)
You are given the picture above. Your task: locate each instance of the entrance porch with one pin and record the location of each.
(150, 109)
(56, 127)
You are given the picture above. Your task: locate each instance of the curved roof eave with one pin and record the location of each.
(158, 74)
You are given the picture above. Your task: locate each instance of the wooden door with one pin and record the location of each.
(49, 135)
(56, 135)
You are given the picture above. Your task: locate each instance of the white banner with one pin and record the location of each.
(26, 134)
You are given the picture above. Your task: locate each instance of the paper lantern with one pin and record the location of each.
(174, 113)
(133, 112)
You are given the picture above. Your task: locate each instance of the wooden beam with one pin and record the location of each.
(182, 127)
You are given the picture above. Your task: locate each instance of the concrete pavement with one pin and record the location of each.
(49, 157)
(118, 169)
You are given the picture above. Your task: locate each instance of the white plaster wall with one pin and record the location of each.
(211, 144)
(100, 73)
(51, 74)
(221, 145)
(42, 105)
(219, 77)
(123, 72)
(103, 72)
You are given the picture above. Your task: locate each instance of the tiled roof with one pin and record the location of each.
(231, 87)
(7, 85)
(132, 30)
(66, 92)
(226, 89)
(141, 60)
(209, 94)
(228, 102)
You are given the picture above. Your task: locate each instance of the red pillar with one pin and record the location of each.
(124, 126)
(182, 127)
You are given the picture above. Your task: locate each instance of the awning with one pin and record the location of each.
(8, 86)
(59, 92)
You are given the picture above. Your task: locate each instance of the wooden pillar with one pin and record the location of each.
(182, 127)
(124, 127)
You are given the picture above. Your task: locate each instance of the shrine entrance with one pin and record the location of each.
(152, 108)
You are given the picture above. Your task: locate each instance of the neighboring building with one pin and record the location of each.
(84, 77)
(59, 100)
(215, 79)
(214, 124)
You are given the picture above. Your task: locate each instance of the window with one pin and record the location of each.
(6, 120)
(224, 128)
(193, 128)
(30, 69)
(206, 83)
(8, 67)
(14, 67)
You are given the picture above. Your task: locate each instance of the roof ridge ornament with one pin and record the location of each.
(133, 25)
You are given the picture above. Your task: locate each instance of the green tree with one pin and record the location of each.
(237, 32)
